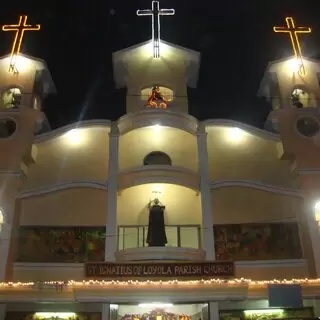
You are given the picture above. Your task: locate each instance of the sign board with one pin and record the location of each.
(206, 269)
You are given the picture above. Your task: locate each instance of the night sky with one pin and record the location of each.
(235, 38)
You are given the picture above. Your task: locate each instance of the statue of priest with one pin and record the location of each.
(156, 236)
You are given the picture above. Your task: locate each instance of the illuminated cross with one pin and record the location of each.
(19, 29)
(294, 37)
(155, 12)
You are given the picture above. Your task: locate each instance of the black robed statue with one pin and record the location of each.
(156, 230)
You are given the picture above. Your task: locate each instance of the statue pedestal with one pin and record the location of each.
(160, 253)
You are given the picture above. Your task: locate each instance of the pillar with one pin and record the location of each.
(111, 228)
(2, 311)
(313, 231)
(205, 191)
(316, 307)
(105, 311)
(5, 239)
(213, 310)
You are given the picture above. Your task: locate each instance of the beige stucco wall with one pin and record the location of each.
(179, 145)
(71, 207)
(244, 156)
(246, 205)
(182, 204)
(60, 159)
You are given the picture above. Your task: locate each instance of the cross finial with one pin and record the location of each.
(19, 29)
(155, 12)
(294, 32)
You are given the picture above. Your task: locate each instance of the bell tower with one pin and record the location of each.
(24, 83)
(156, 73)
(292, 86)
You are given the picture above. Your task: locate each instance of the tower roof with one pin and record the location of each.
(270, 75)
(122, 57)
(40, 67)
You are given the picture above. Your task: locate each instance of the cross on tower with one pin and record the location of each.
(19, 29)
(294, 37)
(155, 12)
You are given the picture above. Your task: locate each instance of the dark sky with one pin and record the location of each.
(235, 38)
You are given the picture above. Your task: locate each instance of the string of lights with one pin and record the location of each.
(145, 283)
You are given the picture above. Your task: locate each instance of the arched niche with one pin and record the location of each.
(157, 158)
(166, 92)
(11, 98)
(302, 98)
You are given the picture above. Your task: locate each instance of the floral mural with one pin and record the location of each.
(52, 316)
(155, 315)
(257, 241)
(57, 244)
(302, 313)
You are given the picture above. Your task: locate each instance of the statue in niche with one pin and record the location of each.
(156, 99)
(11, 98)
(156, 236)
(296, 101)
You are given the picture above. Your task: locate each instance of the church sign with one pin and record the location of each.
(207, 269)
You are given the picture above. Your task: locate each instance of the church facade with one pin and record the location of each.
(159, 215)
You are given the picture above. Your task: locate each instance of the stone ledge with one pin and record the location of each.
(160, 253)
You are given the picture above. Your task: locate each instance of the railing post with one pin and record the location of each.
(179, 236)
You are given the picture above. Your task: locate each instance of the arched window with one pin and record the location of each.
(301, 99)
(157, 158)
(11, 98)
(166, 92)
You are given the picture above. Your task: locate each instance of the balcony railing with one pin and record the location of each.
(135, 236)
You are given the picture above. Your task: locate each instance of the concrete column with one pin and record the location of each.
(316, 307)
(111, 228)
(205, 190)
(5, 239)
(213, 310)
(2, 311)
(314, 233)
(105, 311)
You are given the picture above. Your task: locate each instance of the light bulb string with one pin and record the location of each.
(71, 284)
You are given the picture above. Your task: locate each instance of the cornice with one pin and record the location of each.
(256, 185)
(251, 129)
(159, 174)
(174, 180)
(150, 117)
(62, 186)
(76, 125)
(11, 173)
(311, 171)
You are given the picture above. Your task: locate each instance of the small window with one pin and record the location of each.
(11, 98)
(308, 126)
(157, 158)
(7, 128)
(36, 103)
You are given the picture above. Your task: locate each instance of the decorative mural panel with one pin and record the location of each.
(257, 241)
(302, 313)
(53, 316)
(57, 244)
